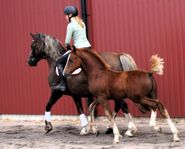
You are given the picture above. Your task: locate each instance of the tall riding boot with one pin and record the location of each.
(62, 85)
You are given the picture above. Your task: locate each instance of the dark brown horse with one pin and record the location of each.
(104, 83)
(48, 48)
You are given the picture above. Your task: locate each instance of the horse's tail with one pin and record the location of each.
(157, 64)
(127, 62)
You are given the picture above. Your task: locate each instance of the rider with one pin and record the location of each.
(76, 30)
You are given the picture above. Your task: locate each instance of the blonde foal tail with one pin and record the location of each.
(157, 64)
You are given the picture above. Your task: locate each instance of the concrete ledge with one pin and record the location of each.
(36, 117)
(16, 117)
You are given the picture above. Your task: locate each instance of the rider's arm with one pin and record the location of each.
(68, 35)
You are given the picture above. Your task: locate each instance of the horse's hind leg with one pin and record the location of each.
(153, 116)
(164, 113)
(121, 104)
(131, 126)
(55, 95)
(156, 104)
(153, 122)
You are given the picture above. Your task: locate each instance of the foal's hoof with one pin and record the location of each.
(85, 130)
(129, 133)
(109, 131)
(157, 128)
(97, 133)
(175, 138)
(48, 127)
(115, 142)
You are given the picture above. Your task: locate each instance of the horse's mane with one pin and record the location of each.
(96, 57)
(54, 47)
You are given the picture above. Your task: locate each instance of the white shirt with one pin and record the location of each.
(78, 33)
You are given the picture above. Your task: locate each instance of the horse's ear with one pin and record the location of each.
(32, 35)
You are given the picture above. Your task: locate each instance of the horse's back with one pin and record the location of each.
(112, 59)
(119, 61)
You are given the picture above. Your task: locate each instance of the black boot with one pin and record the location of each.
(62, 85)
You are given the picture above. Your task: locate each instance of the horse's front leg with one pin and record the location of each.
(83, 118)
(55, 95)
(121, 104)
(92, 108)
(108, 113)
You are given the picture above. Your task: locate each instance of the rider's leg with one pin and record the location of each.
(62, 85)
(60, 67)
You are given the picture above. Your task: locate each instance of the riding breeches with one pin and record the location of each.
(63, 59)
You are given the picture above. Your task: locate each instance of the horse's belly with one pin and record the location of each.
(77, 85)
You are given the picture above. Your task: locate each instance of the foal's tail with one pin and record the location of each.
(157, 64)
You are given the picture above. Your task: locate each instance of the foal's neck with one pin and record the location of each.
(93, 63)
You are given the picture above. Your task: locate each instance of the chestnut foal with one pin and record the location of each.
(104, 83)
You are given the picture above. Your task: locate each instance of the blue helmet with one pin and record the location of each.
(71, 10)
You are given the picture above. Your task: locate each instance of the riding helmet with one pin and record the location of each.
(71, 10)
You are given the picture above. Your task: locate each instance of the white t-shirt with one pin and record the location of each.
(78, 33)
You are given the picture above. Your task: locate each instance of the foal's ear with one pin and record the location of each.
(73, 48)
(32, 35)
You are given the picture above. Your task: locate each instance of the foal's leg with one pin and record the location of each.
(55, 95)
(153, 122)
(92, 108)
(121, 104)
(108, 113)
(131, 126)
(165, 114)
(156, 104)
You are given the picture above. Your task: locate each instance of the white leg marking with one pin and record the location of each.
(47, 116)
(153, 118)
(84, 123)
(131, 126)
(173, 129)
(83, 120)
(116, 133)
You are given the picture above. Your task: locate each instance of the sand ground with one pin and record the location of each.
(65, 135)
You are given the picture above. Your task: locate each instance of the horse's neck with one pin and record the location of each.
(51, 62)
(54, 48)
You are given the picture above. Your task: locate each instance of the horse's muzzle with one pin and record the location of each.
(32, 61)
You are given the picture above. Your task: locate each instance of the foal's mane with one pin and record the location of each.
(96, 57)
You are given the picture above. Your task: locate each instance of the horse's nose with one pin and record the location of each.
(32, 62)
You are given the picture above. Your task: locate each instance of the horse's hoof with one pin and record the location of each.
(109, 131)
(176, 138)
(115, 142)
(97, 133)
(48, 127)
(158, 129)
(129, 133)
(120, 136)
(84, 131)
